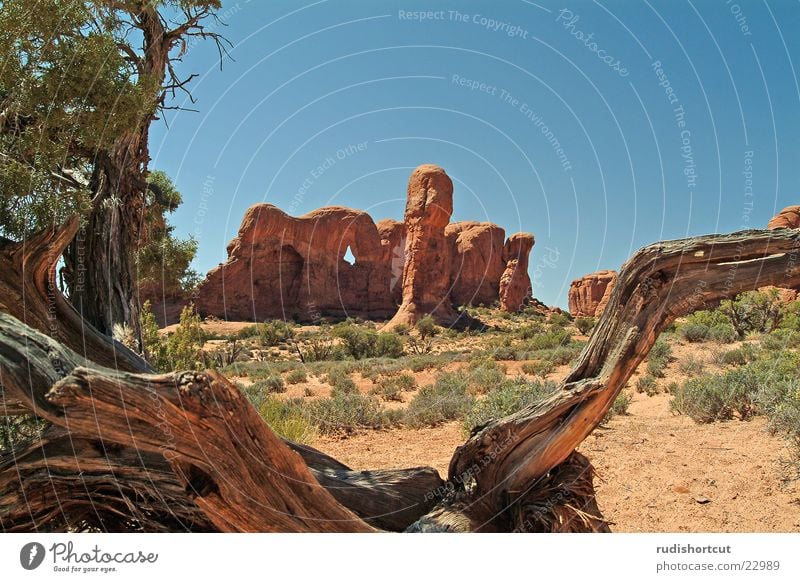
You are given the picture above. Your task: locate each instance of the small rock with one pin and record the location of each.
(702, 500)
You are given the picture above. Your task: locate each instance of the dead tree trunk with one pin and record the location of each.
(224, 470)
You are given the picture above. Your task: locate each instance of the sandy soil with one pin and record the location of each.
(656, 470)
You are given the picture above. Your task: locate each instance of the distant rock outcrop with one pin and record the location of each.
(280, 266)
(515, 283)
(426, 273)
(589, 295)
(789, 217)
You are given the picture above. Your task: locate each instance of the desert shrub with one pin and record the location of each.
(359, 342)
(402, 329)
(711, 398)
(447, 399)
(273, 333)
(540, 368)
(619, 407)
(345, 412)
(511, 396)
(426, 327)
(424, 362)
(552, 339)
(672, 388)
(392, 387)
(694, 332)
(709, 318)
(484, 378)
(585, 324)
(737, 356)
(297, 376)
(270, 385)
(647, 384)
(181, 349)
(287, 420)
(389, 345)
(722, 333)
(319, 346)
(339, 378)
(530, 330)
(691, 366)
(753, 312)
(658, 358)
(308, 391)
(504, 353)
(559, 319)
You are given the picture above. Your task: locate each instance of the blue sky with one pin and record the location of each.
(597, 126)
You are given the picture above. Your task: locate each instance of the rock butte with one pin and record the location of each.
(589, 295)
(280, 266)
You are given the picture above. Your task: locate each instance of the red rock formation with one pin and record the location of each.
(393, 243)
(426, 273)
(589, 295)
(789, 217)
(515, 283)
(281, 266)
(287, 267)
(476, 261)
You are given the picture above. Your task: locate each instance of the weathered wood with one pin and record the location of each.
(502, 459)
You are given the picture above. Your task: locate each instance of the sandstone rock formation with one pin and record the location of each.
(426, 273)
(475, 257)
(281, 266)
(515, 284)
(789, 217)
(589, 295)
(287, 267)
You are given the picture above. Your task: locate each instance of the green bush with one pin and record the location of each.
(691, 366)
(552, 339)
(559, 319)
(541, 368)
(511, 396)
(389, 345)
(722, 333)
(273, 333)
(708, 318)
(703, 399)
(270, 385)
(737, 356)
(753, 312)
(447, 399)
(181, 349)
(339, 378)
(695, 332)
(392, 387)
(345, 412)
(287, 420)
(658, 358)
(619, 407)
(647, 384)
(585, 324)
(426, 327)
(297, 376)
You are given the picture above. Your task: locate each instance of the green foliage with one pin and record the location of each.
(364, 342)
(694, 332)
(339, 378)
(691, 366)
(181, 349)
(274, 333)
(447, 399)
(647, 384)
(619, 407)
(737, 356)
(722, 333)
(508, 397)
(270, 385)
(297, 376)
(585, 324)
(426, 327)
(559, 319)
(753, 312)
(541, 368)
(658, 358)
(319, 346)
(287, 420)
(346, 412)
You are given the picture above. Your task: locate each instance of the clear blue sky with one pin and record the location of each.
(705, 142)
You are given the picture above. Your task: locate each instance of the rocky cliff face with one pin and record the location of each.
(789, 217)
(589, 295)
(280, 266)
